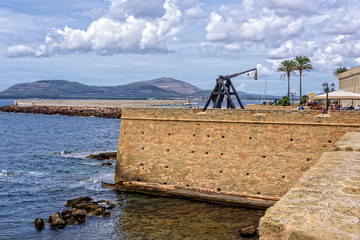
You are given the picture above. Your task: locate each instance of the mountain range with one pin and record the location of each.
(164, 87)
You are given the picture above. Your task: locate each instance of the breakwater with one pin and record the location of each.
(85, 108)
(83, 111)
(244, 157)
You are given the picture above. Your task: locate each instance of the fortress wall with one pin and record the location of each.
(254, 154)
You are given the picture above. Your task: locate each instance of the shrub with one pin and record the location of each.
(284, 101)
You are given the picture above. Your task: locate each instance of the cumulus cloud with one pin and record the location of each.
(232, 26)
(342, 21)
(290, 49)
(195, 12)
(263, 71)
(340, 51)
(20, 51)
(129, 26)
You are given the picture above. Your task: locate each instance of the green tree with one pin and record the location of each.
(288, 67)
(284, 101)
(302, 63)
(339, 70)
(304, 99)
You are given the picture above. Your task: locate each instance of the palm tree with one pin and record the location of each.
(288, 67)
(339, 70)
(302, 63)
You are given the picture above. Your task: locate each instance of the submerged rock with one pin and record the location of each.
(106, 164)
(103, 156)
(39, 224)
(248, 231)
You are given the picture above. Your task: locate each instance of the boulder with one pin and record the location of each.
(92, 208)
(56, 221)
(72, 202)
(39, 224)
(73, 216)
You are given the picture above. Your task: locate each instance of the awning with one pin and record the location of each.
(339, 94)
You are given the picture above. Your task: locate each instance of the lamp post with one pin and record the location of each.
(326, 89)
(292, 97)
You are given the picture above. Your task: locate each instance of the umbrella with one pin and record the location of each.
(339, 94)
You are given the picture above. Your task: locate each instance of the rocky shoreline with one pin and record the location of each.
(80, 209)
(81, 111)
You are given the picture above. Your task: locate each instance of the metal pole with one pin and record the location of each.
(327, 101)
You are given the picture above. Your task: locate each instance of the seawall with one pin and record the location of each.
(243, 157)
(325, 203)
(85, 108)
(83, 111)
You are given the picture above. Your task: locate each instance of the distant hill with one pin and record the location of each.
(156, 88)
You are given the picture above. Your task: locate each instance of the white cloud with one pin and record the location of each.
(129, 31)
(230, 26)
(305, 6)
(20, 51)
(342, 21)
(291, 49)
(195, 12)
(263, 71)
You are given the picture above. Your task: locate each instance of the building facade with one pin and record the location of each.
(350, 81)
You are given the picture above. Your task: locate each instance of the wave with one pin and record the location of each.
(3, 173)
(62, 152)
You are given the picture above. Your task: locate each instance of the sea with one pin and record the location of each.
(43, 164)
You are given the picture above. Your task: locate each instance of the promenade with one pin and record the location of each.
(325, 203)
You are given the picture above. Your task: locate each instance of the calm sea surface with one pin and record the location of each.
(42, 162)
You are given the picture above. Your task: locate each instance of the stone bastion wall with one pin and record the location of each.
(249, 157)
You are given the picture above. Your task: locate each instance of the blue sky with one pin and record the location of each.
(115, 42)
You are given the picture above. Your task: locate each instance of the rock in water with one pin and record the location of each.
(248, 231)
(106, 164)
(39, 224)
(73, 216)
(56, 221)
(72, 202)
(103, 156)
(106, 214)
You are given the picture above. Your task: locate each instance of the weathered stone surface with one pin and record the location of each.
(349, 142)
(320, 205)
(39, 224)
(224, 152)
(56, 221)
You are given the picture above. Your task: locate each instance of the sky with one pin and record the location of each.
(116, 42)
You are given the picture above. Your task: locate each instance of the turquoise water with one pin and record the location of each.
(42, 162)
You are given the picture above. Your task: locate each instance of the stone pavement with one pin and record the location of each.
(325, 203)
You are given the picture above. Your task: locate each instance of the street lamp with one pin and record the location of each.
(292, 97)
(326, 89)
